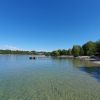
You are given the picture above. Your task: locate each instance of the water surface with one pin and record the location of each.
(47, 79)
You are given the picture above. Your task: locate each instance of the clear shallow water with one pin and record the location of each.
(48, 79)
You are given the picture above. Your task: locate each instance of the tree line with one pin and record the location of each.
(24, 52)
(7, 51)
(88, 49)
(17, 52)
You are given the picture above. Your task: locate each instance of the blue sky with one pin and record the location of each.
(48, 24)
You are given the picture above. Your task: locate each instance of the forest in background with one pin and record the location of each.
(87, 49)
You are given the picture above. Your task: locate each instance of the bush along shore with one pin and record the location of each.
(89, 51)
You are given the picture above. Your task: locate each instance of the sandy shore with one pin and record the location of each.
(96, 62)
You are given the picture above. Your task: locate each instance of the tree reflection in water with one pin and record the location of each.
(93, 71)
(88, 67)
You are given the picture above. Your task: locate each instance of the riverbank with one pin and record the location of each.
(95, 60)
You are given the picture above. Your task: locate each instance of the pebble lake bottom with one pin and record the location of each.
(47, 79)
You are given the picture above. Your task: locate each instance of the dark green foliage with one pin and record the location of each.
(15, 52)
(47, 53)
(55, 53)
(81, 52)
(98, 46)
(76, 50)
(34, 52)
(59, 52)
(90, 48)
(69, 52)
(62, 52)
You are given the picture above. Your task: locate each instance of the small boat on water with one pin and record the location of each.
(32, 58)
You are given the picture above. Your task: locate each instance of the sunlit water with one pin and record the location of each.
(48, 79)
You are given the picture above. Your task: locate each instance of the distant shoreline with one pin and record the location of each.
(95, 60)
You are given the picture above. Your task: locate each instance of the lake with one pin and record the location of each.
(48, 79)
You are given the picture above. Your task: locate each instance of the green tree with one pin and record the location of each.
(89, 48)
(98, 46)
(69, 52)
(62, 52)
(55, 53)
(81, 51)
(76, 50)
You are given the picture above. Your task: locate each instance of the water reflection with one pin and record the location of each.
(46, 79)
(88, 67)
(93, 71)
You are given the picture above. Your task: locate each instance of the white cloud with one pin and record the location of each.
(10, 47)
